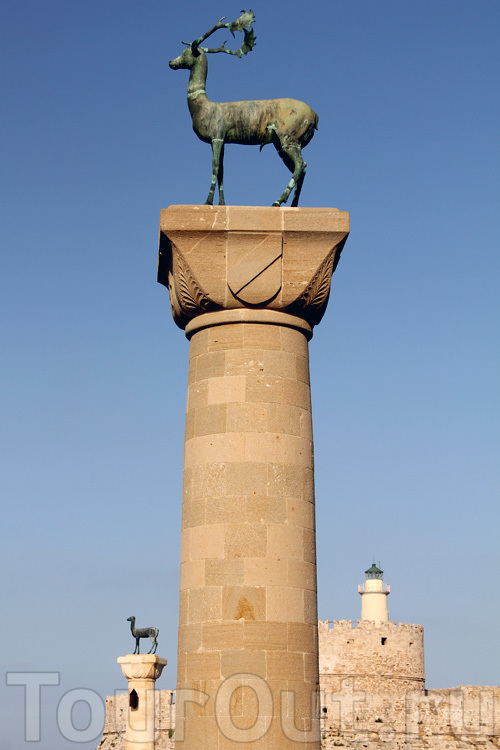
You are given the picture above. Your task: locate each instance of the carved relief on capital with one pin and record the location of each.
(141, 666)
(229, 257)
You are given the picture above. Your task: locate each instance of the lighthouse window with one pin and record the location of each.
(383, 641)
(134, 700)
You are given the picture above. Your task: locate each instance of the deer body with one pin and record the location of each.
(288, 123)
(252, 123)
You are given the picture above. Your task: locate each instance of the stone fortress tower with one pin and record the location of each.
(374, 654)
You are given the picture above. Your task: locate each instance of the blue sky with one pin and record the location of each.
(95, 140)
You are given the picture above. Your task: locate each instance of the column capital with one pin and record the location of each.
(219, 258)
(141, 666)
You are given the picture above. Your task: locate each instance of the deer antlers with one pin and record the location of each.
(241, 24)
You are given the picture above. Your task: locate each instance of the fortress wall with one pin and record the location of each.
(460, 718)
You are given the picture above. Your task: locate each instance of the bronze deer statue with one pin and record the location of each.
(139, 633)
(288, 123)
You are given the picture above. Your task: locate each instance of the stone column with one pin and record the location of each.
(247, 285)
(141, 671)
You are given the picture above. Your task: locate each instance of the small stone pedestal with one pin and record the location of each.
(141, 671)
(247, 285)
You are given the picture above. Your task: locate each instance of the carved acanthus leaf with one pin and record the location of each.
(314, 298)
(192, 298)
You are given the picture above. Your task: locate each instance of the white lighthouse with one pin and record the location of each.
(374, 593)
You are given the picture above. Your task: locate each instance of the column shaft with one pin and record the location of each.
(248, 561)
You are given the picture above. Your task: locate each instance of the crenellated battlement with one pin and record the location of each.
(368, 625)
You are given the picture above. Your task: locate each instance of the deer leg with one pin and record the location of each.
(292, 156)
(298, 188)
(217, 146)
(220, 177)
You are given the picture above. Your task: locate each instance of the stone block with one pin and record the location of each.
(284, 665)
(310, 607)
(190, 637)
(207, 480)
(285, 480)
(226, 509)
(205, 605)
(225, 572)
(310, 545)
(198, 344)
(197, 394)
(243, 661)
(284, 419)
(226, 389)
(214, 449)
(292, 341)
(183, 607)
(285, 542)
(245, 540)
(193, 573)
(247, 477)
(265, 571)
(285, 604)
(225, 338)
(265, 509)
(222, 636)
(307, 491)
(262, 338)
(246, 417)
(300, 513)
(302, 369)
(203, 666)
(244, 361)
(243, 603)
(193, 512)
(302, 637)
(206, 541)
(209, 420)
(270, 635)
(302, 574)
(209, 364)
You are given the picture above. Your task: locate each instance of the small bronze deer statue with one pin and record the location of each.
(139, 633)
(288, 123)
